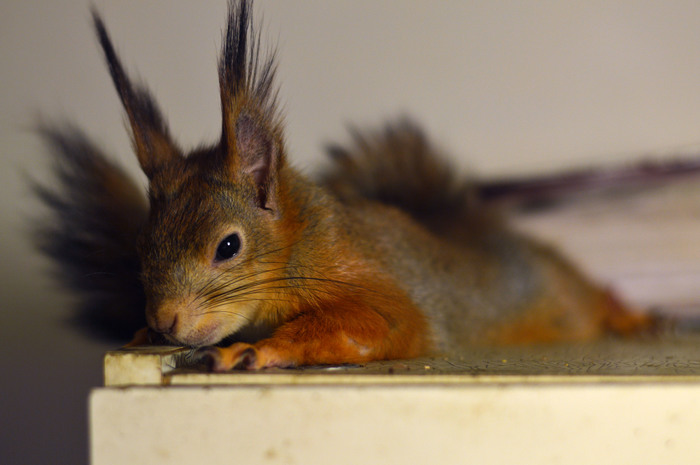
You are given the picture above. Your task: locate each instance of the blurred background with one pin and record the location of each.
(507, 87)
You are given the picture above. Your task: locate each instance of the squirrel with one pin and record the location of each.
(388, 254)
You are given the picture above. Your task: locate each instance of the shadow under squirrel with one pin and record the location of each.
(387, 255)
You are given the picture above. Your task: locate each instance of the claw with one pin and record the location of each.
(220, 359)
(209, 357)
(246, 359)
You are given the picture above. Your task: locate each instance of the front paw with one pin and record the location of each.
(143, 337)
(239, 356)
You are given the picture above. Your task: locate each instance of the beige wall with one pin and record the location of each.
(507, 86)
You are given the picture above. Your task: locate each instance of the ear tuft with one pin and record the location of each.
(152, 142)
(246, 78)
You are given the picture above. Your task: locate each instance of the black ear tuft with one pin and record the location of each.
(151, 138)
(233, 66)
(246, 79)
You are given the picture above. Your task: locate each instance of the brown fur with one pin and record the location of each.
(389, 256)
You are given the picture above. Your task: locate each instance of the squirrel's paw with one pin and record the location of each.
(145, 337)
(239, 356)
(242, 356)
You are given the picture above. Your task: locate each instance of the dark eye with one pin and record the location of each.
(228, 248)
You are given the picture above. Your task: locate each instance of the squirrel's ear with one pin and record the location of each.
(255, 156)
(152, 142)
(251, 135)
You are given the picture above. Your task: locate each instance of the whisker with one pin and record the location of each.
(211, 310)
(247, 318)
(207, 287)
(225, 286)
(228, 287)
(259, 290)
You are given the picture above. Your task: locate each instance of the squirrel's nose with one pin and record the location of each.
(163, 324)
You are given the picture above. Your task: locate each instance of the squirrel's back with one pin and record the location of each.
(478, 280)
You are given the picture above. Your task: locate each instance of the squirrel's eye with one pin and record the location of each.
(228, 248)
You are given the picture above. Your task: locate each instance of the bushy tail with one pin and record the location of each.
(399, 166)
(95, 211)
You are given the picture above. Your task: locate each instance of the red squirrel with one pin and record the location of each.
(387, 254)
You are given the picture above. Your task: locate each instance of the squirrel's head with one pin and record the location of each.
(210, 250)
